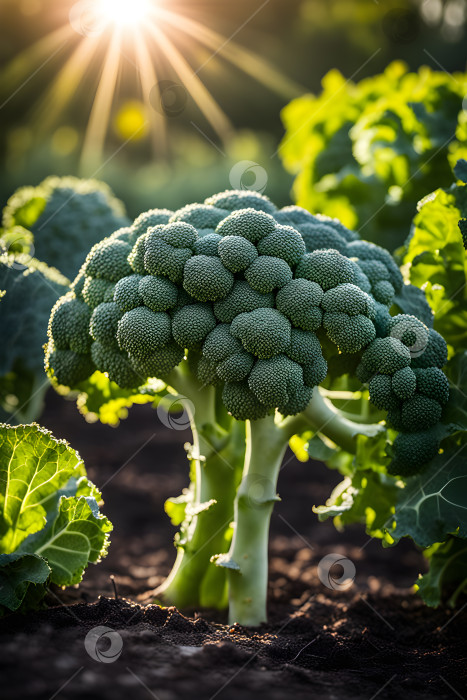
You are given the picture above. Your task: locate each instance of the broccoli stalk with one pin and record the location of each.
(267, 439)
(216, 456)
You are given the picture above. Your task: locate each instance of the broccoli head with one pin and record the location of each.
(256, 300)
(65, 216)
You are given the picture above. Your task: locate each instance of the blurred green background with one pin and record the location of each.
(303, 39)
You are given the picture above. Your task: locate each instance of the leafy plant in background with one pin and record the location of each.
(47, 232)
(367, 152)
(241, 311)
(434, 258)
(50, 524)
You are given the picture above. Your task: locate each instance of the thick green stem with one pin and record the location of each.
(216, 457)
(247, 561)
(321, 416)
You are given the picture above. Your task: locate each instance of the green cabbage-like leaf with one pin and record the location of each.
(433, 505)
(22, 580)
(447, 576)
(50, 524)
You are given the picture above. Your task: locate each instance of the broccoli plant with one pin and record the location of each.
(260, 320)
(367, 152)
(60, 219)
(53, 224)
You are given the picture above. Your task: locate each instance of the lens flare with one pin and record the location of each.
(124, 13)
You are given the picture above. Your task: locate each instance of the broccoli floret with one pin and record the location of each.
(201, 216)
(236, 367)
(304, 347)
(285, 243)
(350, 333)
(109, 260)
(191, 324)
(294, 216)
(141, 331)
(411, 451)
(160, 363)
(385, 355)
(241, 298)
(206, 279)
(419, 413)
(263, 332)
(326, 267)
(220, 343)
(404, 383)
(153, 217)
(116, 365)
(237, 253)
(382, 394)
(315, 373)
(383, 292)
(158, 293)
(69, 325)
(241, 402)
(167, 249)
(297, 402)
(104, 324)
(381, 320)
(248, 223)
(349, 299)
(299, 300)
(69, 368)
(363, 250)
(435, 353)
(433, 383)
(95, 291)
(207, 245)
(268, 273)
(410, 331)
(275, 381)
(231, 200)
(318, 236)
(126, 293)
(136, 257)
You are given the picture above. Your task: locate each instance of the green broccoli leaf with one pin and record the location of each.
(33, 468)
(446, 579)
(50, 524)
(75, 535)
(368, 497)
(435, 260)
(390, 139)
(433, 505)
(22, 581)
(103, 400)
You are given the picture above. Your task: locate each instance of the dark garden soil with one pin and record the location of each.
(375, 639)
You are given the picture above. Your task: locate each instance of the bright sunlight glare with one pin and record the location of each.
(124, 12)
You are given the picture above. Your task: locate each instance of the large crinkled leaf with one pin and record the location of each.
(433, 505)
(33, 467)
(74, 536)
(435, 260)
(22, 580)
(388, 139)
(447, 577)
(50, 524)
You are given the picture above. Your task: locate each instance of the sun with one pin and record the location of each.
(124, 13)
